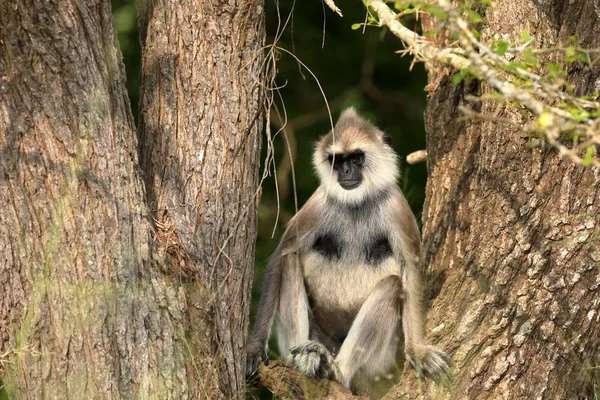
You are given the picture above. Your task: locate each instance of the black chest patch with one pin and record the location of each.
(328, 246)
(378, 250)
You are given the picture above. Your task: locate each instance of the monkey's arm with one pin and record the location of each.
(422, 356)
(283, 291)
(269, 300)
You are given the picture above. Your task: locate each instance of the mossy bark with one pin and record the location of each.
(110, 289)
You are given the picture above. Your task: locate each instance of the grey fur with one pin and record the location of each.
(347, 302)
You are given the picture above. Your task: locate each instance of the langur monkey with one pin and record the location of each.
(346, 276)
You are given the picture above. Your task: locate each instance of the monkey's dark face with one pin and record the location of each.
(349, 168)
(355, 161)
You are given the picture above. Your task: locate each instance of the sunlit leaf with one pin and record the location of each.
(590, 152)
(502, 47)
(473, 16)
(437, 12)
(526, 37)
(458, 78)
(545, 119)
(554, 69)
(570, 54)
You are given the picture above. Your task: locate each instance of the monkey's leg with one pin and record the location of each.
(293, 328)
(313, 358)
(372, 340)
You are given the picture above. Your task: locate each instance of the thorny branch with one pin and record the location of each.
(540, 97)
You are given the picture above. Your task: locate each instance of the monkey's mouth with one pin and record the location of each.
(349, 184)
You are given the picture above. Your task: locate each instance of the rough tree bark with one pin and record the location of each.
(200, 127)
(512, 237)
(75, 272)
(97, 300)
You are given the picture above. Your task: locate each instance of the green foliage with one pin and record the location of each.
(414, 7)
(371, 20)
(467, 75)
(500, 47)
(472, 15)
(590, 154)
(526, 37)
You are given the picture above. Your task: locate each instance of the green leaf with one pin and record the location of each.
(570, 54)
(590, 152)
(529, 58)
(514, 65)
(356, 26)
(437, 12)
(545, 119)
(554, 69)
(458, 78)
(580, 115)
(473, 16)
(582, 57)
(576, 135)
(526, 37)
(502, 48)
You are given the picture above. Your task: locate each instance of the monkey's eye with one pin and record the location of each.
(357, 158)
(330, 158)
(387, 139)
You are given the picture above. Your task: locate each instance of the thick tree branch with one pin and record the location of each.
(287, 383)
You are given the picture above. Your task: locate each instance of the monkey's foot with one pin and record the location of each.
(434, 363)
(313, 360)
(256, 353)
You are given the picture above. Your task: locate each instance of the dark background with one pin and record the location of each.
(355, 67)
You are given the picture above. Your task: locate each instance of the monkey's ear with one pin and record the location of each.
(387, 139)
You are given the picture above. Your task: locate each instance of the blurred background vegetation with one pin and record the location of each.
(355, 67)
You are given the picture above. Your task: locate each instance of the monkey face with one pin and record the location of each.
(355, 161)
(349, 168)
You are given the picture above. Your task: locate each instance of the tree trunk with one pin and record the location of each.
(93, 304)
(77, 304)
(200, 128)
(511, 235)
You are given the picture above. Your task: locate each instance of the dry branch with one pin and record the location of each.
(472, 55)
(335, 8)
(288, 383)
(417, 157)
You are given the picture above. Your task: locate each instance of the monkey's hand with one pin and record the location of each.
(255, 354)
(432, 362)
(314, 360)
